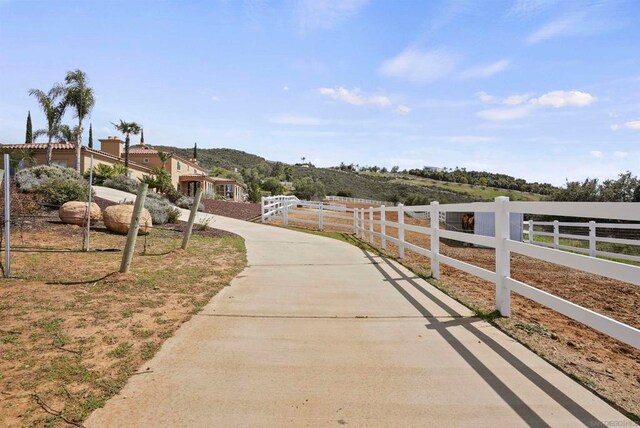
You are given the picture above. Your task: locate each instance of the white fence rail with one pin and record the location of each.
(358, 200)
(363, 221)
(583, 232)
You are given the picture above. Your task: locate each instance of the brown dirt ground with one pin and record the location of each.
(239, 210)
(72, 331)
(605, 365)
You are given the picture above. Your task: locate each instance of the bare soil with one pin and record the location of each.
(72, 330)
(607, 366)
(239, 210)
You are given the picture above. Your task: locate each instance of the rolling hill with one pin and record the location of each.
(388, 187)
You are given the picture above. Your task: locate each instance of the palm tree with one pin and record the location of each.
(127, 128)
(164, 157)
(53, 107)
(67, 134)
(81, 97)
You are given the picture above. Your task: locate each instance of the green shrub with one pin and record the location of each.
(122, 182)
(57, 190)
(186, 202)
(273, 185)
(103, 172)
(28, 179)
(308, 189)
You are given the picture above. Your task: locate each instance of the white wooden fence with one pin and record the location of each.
(358, 200)
(588, 235)
(364, 221)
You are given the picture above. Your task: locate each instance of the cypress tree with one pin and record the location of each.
(195, 151)
(142, 136)
(29, 135)
(91, 136)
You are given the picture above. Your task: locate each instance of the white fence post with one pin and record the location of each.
(503, 256)
(530, 231)
(355, 222)
(592, 238)
(361, 216)
(320, 217)
(262, 216)
(401, 231)
(285, 213)
(383, 228)
(556, 234)
(434, 213)
(371, 224)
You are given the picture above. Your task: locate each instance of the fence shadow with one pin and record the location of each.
(527, 414)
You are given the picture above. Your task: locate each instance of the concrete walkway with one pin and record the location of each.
(316, 332)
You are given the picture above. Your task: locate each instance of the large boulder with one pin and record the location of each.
(75, 212)
(117, 218)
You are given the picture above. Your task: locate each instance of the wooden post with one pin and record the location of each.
(434, 213)
(383, 228)
(192, 218)
(592, 239)
(133, 228)
(401, 231)
(503, 256)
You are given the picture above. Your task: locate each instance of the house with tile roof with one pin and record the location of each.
(186, 175)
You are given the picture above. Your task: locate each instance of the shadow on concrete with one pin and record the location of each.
(527, 414)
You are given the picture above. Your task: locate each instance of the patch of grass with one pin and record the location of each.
(121, 351)
(149, 349)
(533, 328)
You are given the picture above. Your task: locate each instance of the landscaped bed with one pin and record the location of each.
(239, 210)
(72, 331)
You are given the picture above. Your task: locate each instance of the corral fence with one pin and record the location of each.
(583, 237)
(358, 200)
(363, 222)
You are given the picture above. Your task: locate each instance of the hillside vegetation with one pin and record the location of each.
(386, 186)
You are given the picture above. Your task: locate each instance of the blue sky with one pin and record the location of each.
(540, 89)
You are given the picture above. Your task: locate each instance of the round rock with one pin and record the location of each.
(117, 218)
(75, 212)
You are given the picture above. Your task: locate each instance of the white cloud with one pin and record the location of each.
(620, 155)
(296, 120)
(596, 154)
(325, 14)
(285, 88)
(215, 99)
(485, 70)
(550, 30)
(470, 139)
(559, 99)
(419, 66)
(402, 109)
(504, 114)
(354, 97)
(514, 100)
(529, 7)
(615, 127)
(486, 98)
(634, 124)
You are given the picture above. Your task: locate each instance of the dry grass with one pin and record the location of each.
(72, 332)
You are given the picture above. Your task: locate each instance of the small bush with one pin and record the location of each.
(186, 202)
(174, 215)
(122, 182)
(28, 179)
(58, 190)
(159, 209)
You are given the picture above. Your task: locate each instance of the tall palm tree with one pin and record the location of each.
(53, 105)
(127, 128)
(81, 97)
(164, 157)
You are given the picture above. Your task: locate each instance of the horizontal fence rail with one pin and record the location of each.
(375, 222)
(358, 200)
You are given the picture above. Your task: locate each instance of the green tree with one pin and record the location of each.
(164, 157)
(66, 134)
(141, 137)
(53, 105)
(28, 139)
(273, 185)
(90, 145)
(254, 192)
(288, 172)
(195, 151)
(79, 95)
(308, 189)
(127, 128)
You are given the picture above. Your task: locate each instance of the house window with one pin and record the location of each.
(145, 160)
(178, 166)
(62, 163)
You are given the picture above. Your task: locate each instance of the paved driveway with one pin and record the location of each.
(315, 332)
